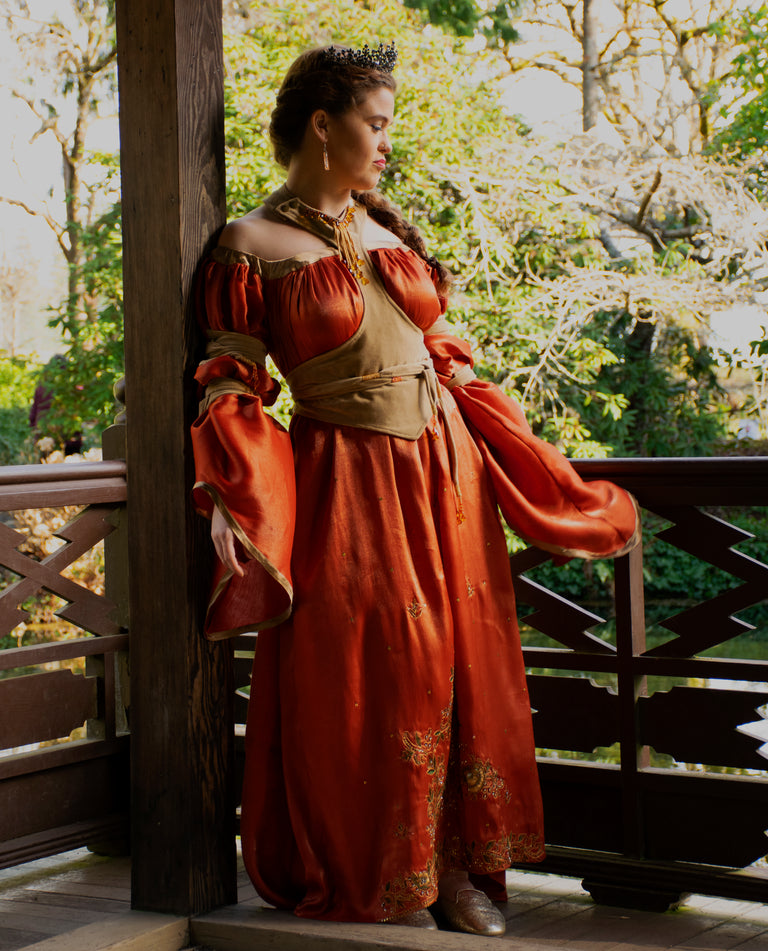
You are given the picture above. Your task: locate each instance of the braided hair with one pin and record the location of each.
(390, 217)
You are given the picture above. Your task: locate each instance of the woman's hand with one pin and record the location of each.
(224, 542)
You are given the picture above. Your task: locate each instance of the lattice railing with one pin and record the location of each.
(63, 730)
(654, 778)
(654, 767)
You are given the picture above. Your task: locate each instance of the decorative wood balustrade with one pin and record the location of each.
(58, 792)
(637, 829)
(637, 832)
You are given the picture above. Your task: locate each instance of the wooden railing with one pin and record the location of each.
(637, 832)
(64, 754)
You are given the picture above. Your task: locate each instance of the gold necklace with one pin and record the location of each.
(340, 225)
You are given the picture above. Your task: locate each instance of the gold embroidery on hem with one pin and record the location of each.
(407, 892)
(496, 854)
(482, 781)
(424, 749)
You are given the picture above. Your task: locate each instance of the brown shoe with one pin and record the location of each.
(473, 912)
(421, 918)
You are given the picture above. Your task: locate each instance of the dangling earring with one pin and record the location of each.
(326, 163)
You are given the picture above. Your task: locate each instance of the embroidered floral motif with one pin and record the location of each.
(416, 609)
(420, 748)
(470, 588)
(481, 781)
(496, 854)
(501, 853)
(411, 890)
(429, 750)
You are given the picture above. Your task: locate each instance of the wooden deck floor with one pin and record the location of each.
(80, 902)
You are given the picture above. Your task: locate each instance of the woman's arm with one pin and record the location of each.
(224, 542)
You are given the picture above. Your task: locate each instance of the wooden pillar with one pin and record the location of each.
(170, 66)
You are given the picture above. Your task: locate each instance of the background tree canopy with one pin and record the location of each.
(586, 269)
(68, 81)
(584, 283)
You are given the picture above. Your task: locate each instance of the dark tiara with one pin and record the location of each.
(382, 58)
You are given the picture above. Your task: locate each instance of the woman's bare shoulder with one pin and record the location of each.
(249, 233)
(258, 233)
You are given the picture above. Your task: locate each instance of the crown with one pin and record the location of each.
(382, 57)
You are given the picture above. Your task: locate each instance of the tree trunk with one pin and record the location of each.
(589, 64)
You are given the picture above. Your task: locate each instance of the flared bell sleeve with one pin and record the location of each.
(541, 496)
(244, 465)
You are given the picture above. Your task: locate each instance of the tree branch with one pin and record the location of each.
(55, 227)
(47, 123)
(647, 198)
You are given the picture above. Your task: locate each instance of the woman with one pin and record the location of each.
(389, 751)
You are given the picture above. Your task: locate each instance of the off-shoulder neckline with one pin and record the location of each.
(232, 255)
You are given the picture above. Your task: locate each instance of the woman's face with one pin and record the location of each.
(358, 141)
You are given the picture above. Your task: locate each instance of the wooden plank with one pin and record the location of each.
(535, 915)
(733, 810)
(64, 885)
(736, 480)
(572, 713)
(750, 884)
(78, 492)
(553, 615)
(700, 725)
(61, 839)
(44, 706)
(61, 650)
(81, 792)
(62, 472)
(30, 921)
(243, 929)
(51, 917)
(582, 803)
(170, 65)
(723, 937)
(544, 913)
(11, 939)
(60, 903)
(136, 931)
(713, 668)
(63, 754)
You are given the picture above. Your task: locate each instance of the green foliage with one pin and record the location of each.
(18, 379)
(93, 351)
(467, 18)
(430, 127)
(673, 403)
(745, 95)
(498, 208)
(443, 146)
(69, 61)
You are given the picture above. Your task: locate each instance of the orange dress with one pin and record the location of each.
(389, 730)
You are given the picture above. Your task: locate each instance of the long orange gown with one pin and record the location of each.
(389, 729)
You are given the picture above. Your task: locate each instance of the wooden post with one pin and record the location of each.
(170, 65)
